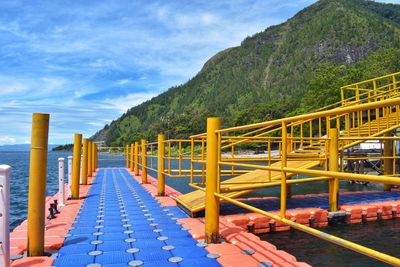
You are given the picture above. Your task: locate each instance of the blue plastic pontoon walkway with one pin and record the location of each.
(121, 224)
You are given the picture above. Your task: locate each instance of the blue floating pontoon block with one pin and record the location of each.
(145, 235)
(162, 263)
(176, 234)
(79, 239)
(150, 254)
(114, 257)
(76, 249)
(73, 260)
(199, 262)
(177, 242)
(113, 246)
(189, 252)
(148, 243)
(113, 229)
(142, 227)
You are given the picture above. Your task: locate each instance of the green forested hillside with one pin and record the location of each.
(290, 68)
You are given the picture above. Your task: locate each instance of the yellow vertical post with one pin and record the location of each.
(136, 161)
(127, 156)
(289, 149)
(144, 162)
(212, 201)
(161, 165)
(37, 183)
(96, 154)
(89, 158)
(333, 166)
(132, 160)
(84, 161)
(76, 166)
(283, 173)
(93, 158)
(388, 159)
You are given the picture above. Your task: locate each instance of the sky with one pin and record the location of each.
(87, 62)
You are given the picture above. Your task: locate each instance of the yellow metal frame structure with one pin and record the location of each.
(368, 111)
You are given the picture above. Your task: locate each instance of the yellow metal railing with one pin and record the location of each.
(368, 111)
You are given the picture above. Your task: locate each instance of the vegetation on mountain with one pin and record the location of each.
(66, 147)
(287, 69)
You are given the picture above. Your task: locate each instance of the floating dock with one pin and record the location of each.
(125, 217)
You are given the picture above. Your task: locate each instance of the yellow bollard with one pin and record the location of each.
(144, 162)
(387, 160)
(93, 159)
(89, 158)
(333, 165)
(136, 161)
(132, 157)
(85, 161)
(127, 157)
(161, 165)
(76, 166)
(37, 184)
(283, 173)
(212, 202)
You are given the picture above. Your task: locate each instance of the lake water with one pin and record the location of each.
(383, 236)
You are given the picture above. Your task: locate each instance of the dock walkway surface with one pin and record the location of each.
(121, 224)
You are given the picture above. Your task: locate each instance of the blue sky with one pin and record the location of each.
(87, 62)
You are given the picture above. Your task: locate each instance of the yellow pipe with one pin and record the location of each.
(37, 183)
(333, 166)
(76, 166)
(322, 235)
(132, 160)
(212, 202)
(144, 162)
(136, 161)
(271, 184)
(93, 158)
(127, 157)
(336, 111)
(387, 160)
(89, 168)
(161, 165)
(85, 161)
(96, 155)
(344, 176)
(283, 173)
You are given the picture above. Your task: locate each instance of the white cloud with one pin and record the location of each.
(7, 140)
(123, 103)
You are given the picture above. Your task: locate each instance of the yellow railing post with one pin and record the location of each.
(132, 160)
(127, 156)
(37, 183)
(387, 159)
(144, 162)
(136, 161)
(289, 149)
(76, 166)
(283, 173)
(89, 158)
(84, 161)
(212, 201)
(333, 166)
(161, 165)
(93, 158)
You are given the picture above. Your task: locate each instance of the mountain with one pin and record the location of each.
(287, 69)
